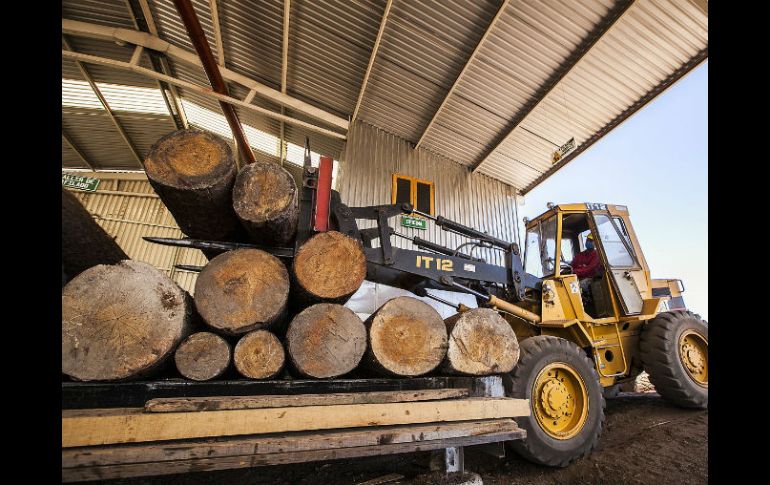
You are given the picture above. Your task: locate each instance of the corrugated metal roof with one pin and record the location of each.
(529, 89)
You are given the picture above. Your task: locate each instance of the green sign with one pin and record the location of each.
(79, 182)
(413, 222)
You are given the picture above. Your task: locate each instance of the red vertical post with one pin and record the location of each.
(323, 194)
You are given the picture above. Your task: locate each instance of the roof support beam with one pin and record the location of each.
(87, 76)
(462, 72)
(154, 43)
(618, 120)
(217, 33)
(204, 90)
(284, 71)
(198, 38)
(373, 55)
(143, 21)
(77, 150)
(582, 49)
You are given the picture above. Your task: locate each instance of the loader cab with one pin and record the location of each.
(556, 236)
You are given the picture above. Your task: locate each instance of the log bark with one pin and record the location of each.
(407, 337)
(265, 201)
(325, 340)
(329, 267)
(259, 355)
(193, 173)
(121, 321)
(202, 356)
(84, 243)
(481, 343)
(242, 290)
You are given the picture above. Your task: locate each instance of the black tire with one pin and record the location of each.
(539, 447)
(659, 350)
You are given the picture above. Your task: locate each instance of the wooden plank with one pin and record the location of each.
(180, 404)
(266, 444)
(133, 427)
(229, 462)
(136, 394)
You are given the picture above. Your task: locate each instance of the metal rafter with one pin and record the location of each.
(156, 44)
(87, 76)
(627, 113)
(217, 33)
(204, 90)
(556, 77)
(284, 69)
(77, 150)
(371, 59)
(462, 72)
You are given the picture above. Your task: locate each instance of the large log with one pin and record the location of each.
(407, 337)
(83, 242)
(481, 342)
(202, 356)
(326, 340)
(242, 290)
(121, 321)
(329, 267)
(265, 201)
(259, 355)
(193, 173)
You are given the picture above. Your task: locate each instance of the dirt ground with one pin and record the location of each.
(645, 441)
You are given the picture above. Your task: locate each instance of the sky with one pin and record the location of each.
(656, 163)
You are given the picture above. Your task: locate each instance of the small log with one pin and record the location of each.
(202, 356)
(329, 267)
(265, 201)
(121, 321)
(242, 290)
(481, 343)
(259, 355)
(193, 173)
(326, 340)
(406, 338)
(84, 243)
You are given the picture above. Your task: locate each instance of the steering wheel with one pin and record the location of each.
(565, 268)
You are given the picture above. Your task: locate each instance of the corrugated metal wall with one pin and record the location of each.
(370, 158)
(128, 217)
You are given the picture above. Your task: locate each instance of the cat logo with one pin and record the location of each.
(438, 263)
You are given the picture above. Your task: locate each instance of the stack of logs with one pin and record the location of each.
(253, 312)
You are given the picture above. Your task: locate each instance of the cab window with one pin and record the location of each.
(615, 250)
(540, 256)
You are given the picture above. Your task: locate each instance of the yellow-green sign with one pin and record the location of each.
(413, 222)
(79, 182)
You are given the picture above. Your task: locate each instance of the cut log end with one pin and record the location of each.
(121, 321)
(407, 337)
(202, 356)
(242, 290)
(330, 266)
(326, 340)
(189, 159)
(265, 201)
(481, 343)
(259, 355)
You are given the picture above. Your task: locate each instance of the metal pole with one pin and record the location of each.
(202, 47)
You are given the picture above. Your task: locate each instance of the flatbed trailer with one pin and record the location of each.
(146, 428)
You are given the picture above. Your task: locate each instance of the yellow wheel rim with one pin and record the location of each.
(693, 352)
(560, 401)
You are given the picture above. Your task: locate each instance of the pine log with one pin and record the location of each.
(325, 340)
(84, 243)
(265, 201)
(193, 173)
(121, 321)
(481, 343)
(242, 290)
(407, 337)
(202, 356)
(329, 267)
(259, 355)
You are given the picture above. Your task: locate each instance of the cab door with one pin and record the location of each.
(619, 260)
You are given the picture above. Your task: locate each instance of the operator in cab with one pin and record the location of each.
(586, 264)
